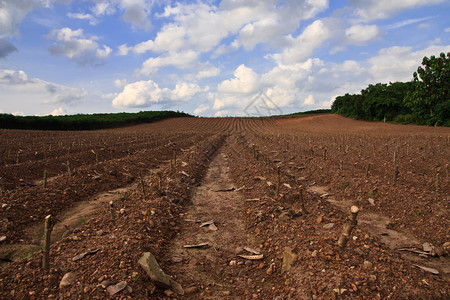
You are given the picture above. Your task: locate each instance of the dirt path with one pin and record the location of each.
(377, 225)
(215, 271)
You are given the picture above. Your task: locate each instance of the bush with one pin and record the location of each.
(405, 119)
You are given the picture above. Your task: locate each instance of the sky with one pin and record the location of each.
(208, 58)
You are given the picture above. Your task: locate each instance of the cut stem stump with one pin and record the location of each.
(48, 227)
(348, 227)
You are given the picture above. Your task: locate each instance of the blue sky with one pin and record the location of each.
(208, 58)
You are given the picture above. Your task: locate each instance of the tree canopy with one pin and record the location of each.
(85, 121)
(424, 100)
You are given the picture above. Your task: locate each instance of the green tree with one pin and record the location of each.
(429, 99)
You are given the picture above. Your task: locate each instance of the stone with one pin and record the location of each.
(190, 290)
(114, 289)
(67, 279)
(105, 283)
(367, 264)
(371, 201)
(150, 265)
(270, 270)
(427, 247)
(176, 287)
(159, 278)
(328, 226)
(285, 216)
(289, 259)
(319, 219)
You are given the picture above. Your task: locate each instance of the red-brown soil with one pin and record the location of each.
(226, 171)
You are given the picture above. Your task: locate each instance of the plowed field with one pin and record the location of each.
(234, 186)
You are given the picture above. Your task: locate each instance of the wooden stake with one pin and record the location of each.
(277, 187)
(302, 202)
(348, 227)
(160, 179)
(48, 227)
(113, 213)
(396, 174)
(142, 185)
(368, 170)
(325, 154)
(437, 182)
(45, 179)
(68, 169)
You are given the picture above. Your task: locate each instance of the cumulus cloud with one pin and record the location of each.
(181, 60)
(201, 109)
(19, 82)
(136, 12)
(399, 63)
(303, 46)
(103, 8)
(147, 93)
(360, 34)
(12, 12)
(120, 83)
(309, 101)
(246, 81)
(58, 112)
(6, 48)
(207, 72)
(78, 47)
(251, 22)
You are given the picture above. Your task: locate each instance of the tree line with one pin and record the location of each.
(424, 100)
(85, 121)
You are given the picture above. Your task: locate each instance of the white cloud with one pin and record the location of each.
(76, 46)
(201, 27)
(136, 12)
(309, 101)
(246, 81)
(360, 34)
(123, 50)
(369, 10)
(12, 12)
(447, 29)
(399, 63)
(209, 72)
(58, 112)
(147, 93)
(407, 22)
(181, 60)
(303, 46)
(201, 109)
(18, 83)
(92, 20)
(120, 83)
(103, 8)
(184, 91)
